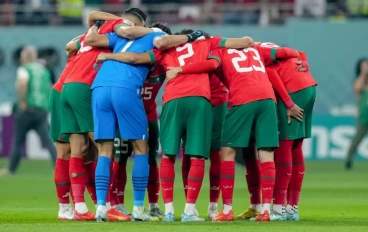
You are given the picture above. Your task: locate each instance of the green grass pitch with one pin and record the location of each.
(332, 200)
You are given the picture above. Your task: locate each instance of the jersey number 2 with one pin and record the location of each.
(243, 57)
(189, 53)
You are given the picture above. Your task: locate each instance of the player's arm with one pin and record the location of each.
(73, 46)
(293, 110)
(126, 31)
(237, 43)
(97, 40)
(126, 57)
(203, 66)
(171, 41)
(358, 86)
(22, 87)
(279, 53)
(99, 15)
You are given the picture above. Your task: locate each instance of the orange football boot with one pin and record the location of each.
(265, 217)
(114, 215)
(89, 216)
(222, 217)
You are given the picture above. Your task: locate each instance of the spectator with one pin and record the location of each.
(361, 94)
(33, 87)
(70, 11)
(315, 8)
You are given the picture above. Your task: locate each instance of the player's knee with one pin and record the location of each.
(228, 154)
(266, 154)
(63, 151)
(106, 148)
(140, 147)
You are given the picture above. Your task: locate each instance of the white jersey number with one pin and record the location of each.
(147, 93)
(186, 55)
(121, 146)
(243, 57)
(84, 47)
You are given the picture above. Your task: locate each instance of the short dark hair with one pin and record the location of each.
(163, 26)
(186, 31)
(136, 12)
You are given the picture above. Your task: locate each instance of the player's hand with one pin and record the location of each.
(195, 35)
(303, 66)
(101, 57)
(97, 66)
(173, 72)
(98, 23)
(295, 112)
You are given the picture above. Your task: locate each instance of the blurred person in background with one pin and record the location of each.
(33, 88)
(314, 8)
(361, 94)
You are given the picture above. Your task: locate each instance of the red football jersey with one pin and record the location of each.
(245, 74)
(83, 71)
(186, 85)
(60, 82)
(287, 69)
(150, 89)
(218, 91)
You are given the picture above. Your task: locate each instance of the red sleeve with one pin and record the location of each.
(201, 66)
(279, 87)
(156, 55)
(284, 53)
(217, 42)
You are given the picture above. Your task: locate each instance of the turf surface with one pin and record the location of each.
(332, 200)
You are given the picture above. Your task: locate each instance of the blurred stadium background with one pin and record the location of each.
(334, 35)
(332, 32)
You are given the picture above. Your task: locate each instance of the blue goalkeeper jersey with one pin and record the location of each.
(118, 74)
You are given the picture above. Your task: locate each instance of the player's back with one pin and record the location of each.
(246, 75)
(66, 71)
(187, 84)
(82, 70)
(115, 73)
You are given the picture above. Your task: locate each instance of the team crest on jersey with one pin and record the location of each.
(153, 68)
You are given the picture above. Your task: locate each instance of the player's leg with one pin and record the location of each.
(79, 148)
(61, 172)
(266, 124)
(296, 181)
(185, 167)
(236, 133)
(198, 126)
(253, 178)
(133, 125)
(171, 130)
(361, 131)
(306, 98)
(153, 187)
(90, 164)
(123, 149)
(62, 181)
(218, 115)
(105, 124)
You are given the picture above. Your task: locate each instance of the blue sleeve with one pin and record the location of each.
(156, 35)
(113, 37)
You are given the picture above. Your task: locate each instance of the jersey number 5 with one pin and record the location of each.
(146, 92)
(243, 57)
(188, 54)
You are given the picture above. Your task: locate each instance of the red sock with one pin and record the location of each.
(120, 181)
(153, 187)
(90, 184)
(78, 178)
(215, 176)
(62, 180)
(267, 181)
(253, 177)
(284, 169)
(185, 167)
(195, 180)
(227, 174)
(113, 190)
(296, 181)
(167, 176)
